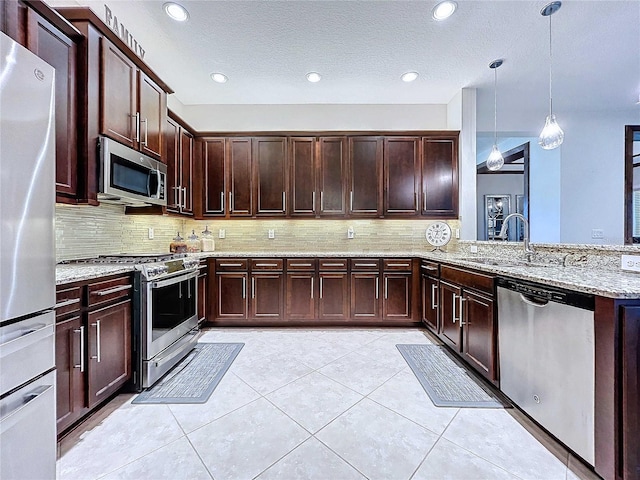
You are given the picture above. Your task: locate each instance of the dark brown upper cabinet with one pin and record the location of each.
(365, 165)
(241, 180)
(179, 156)
(152, 107)
(214, 178)
(302, 190)
(333, 165)
(440, 177)
(60, 51)
(401, 175)
(270, 166)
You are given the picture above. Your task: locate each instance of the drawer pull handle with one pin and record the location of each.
(67, 303)
(81, 332)
(230, 264)
(97, 355)
(300, 265)
(406, 265)
(333, 264)
(109, 291)
(430, 269)
(434, 305)
(366, 265)
(266, 264)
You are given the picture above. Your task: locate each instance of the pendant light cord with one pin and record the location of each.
(495, 105)
(550, 69)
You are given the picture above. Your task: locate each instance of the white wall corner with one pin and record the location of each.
(176, 106)
(454, 112)
(467, 161)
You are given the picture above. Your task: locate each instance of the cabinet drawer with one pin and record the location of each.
(67, 300)
(267, 264)
(430, 268)
(231, 264)
(467, 278)
(99, 293)
(300, 264)
(333, 264)
(402, 264)
(365, 264)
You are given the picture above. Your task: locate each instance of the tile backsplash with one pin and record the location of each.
(90, 231)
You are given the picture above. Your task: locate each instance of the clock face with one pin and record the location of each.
(438, 234)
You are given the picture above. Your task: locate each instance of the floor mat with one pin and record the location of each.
(447, 383)
(194, 379)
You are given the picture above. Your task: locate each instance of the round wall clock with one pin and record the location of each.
(438, 234)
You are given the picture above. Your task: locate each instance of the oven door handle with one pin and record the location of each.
(174, 280)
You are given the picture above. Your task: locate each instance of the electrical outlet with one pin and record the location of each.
(350, 233)
(272, 233)
(457, 233)
(597, 233)
(631, 263)
(222, 233)
(473, 249)
(151, 233)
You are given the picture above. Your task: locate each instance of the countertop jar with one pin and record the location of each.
(178, 245)
(193, 243)
(207, 243)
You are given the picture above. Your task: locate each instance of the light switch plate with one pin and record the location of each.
(631, 263)
(222, 233)
(151, 233)
(350, 233)
(272, 233)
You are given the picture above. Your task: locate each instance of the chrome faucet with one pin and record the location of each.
(528, 249)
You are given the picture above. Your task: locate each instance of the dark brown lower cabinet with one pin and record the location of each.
(630, 373)
(266, 296)
(333, 302)
(109, 349)
(232, 295)
(365, 295)
(70, 371)
(396, 303)
(430, 302)
(203, 281)
(450, 331)
(479, 332)
(300, 296)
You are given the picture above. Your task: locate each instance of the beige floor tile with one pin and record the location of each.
(176, 461)
(230, 394)
(404, 394)
(314, 400)
(447, 461)
(498, 438)
(269, 373)
(246, 442)
(311, 461)
(378, 442)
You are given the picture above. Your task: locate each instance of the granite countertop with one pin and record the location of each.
(606, 283)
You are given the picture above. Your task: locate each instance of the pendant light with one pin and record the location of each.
(495, 161)
(552, 135)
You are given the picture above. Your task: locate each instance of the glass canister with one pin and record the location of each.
(178, 245)
(207, 243)
(193, 243)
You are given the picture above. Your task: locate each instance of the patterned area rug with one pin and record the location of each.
(447, 383)
(194, 379)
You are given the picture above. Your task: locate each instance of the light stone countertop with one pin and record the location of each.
(606, 283)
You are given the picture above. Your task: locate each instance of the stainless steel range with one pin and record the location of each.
(165, 326)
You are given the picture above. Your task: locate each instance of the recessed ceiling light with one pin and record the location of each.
(313, 77)
(409, 76)
(219, 77)
(176, 11)
(444, 10)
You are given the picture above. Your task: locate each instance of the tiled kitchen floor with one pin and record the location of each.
(325, 404)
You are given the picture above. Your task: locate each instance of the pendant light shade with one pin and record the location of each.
(495, 161)
(552, 135)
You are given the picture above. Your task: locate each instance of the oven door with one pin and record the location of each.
(170, 311)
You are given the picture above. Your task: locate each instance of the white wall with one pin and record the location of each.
(311, 117)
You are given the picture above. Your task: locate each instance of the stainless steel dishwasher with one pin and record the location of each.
(546, 345)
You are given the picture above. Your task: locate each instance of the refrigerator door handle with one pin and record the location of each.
(16, 415)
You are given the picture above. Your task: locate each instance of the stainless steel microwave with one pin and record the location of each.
(130, 177)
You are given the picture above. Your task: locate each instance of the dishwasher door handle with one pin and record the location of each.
(534, 301)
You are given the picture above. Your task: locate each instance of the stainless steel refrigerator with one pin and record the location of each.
(27, 265)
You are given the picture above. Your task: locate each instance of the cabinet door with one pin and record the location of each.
(396, 303)
(152, 105)
(213, 150)
(630, 379)
(303, 176)
(479, 332)
(70, 371)
(333, 175)
(60, 52)
(365, 165)
(186, 171)
(300, 293)
(450, 331)
(232, 295)
(241, 184)
(401, 174)
(266, 295)
(333, 303)
(203, 281)
(365, 295)
(109, 349)
(270, 165)
(440, 177)
(430, 297)
(118, 118)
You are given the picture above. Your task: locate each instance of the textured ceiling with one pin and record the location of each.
(362, 47)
